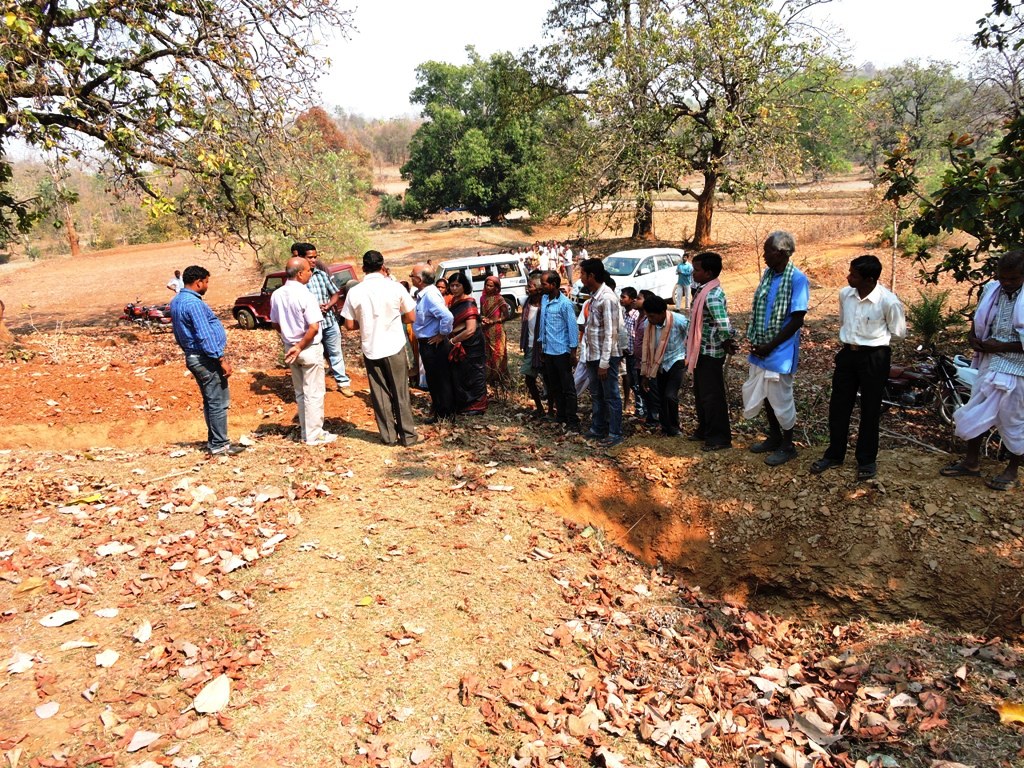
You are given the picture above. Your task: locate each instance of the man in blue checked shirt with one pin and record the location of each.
(328, 295)
(201, 337)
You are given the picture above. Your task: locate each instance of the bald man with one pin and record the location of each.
(432, 326)
(296, 314)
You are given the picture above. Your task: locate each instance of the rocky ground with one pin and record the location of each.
(496, 595)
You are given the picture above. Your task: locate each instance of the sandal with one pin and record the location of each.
(1001, 484)
(959, 469)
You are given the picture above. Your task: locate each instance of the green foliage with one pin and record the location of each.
(829, 123)
(714, 88)
(480, 146)
(981, 192)
(910, 244)
(914, 108)
(392, 207)
(928, 317)
(146, 85)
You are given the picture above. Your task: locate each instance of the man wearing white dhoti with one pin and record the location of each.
(780, 303)
(997, 398)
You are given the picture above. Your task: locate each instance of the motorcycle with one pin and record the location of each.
(934, 379)
(155, 317)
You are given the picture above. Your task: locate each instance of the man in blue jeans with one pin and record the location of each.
(604, 331)
(328, 295)
(201, 337)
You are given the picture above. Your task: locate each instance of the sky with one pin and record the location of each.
(372, 72)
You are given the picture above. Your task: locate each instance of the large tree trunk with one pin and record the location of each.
(705, 210)
(643, 222)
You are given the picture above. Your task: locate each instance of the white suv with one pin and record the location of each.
(652, 269)
(509, 267)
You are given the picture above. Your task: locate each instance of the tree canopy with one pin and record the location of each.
(981, 192)
(706, 87)
(155, 91)
(479, 147)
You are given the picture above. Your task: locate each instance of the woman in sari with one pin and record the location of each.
(468, 357)
(494, 311)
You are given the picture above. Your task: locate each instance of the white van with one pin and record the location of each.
(508, 266)
(652, 269)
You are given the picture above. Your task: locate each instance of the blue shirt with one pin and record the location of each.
(685, 271)
(676, 348)
(432, 316)
(783, 358)
(559, 334)
(196, 329)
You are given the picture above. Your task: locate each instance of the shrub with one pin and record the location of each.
(929, 318)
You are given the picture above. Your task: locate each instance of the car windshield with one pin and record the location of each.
(617, 266)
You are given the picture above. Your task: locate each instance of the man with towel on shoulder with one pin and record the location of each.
(997, 398)
(780, 304)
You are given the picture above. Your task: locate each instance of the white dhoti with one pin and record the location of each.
(581, 378)
(997, 402)
(776, 388)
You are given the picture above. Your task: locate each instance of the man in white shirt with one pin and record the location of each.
(567, 264)
(295, 313)
(869, 316)
(377, 307)
(175, 284)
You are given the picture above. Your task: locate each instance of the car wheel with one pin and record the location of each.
(513, 305)
(246, 319)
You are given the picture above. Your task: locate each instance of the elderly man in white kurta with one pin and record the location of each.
(997, 398)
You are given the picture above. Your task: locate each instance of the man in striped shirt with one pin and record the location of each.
(604, 353)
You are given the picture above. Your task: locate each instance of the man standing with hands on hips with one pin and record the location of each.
(295, 313)
(869, 317)
(201, 337)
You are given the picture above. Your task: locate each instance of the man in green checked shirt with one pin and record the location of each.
(709, 339)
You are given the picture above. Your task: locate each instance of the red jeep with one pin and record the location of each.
(253, 310)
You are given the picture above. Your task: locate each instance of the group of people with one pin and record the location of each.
(552, 255)
(462, 346)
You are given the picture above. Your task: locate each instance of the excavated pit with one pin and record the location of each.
(814, 549)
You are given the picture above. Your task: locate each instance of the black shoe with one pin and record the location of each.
(867, 471)
(695, 437)
(708, 447)
(781, 455)
(767, 445)
(822, 464)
